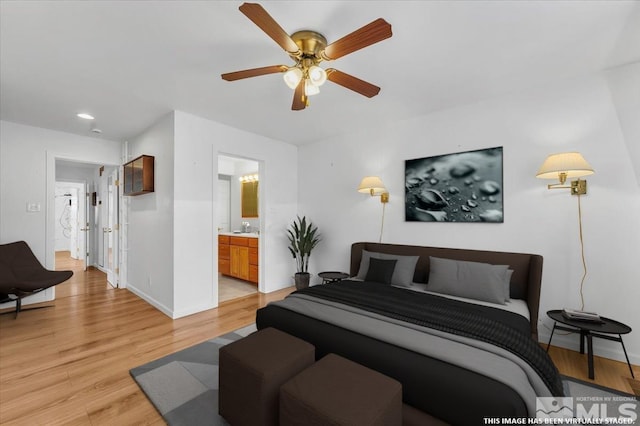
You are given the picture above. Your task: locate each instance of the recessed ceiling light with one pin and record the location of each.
(86, 116)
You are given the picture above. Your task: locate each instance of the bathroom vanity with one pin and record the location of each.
(238, 255)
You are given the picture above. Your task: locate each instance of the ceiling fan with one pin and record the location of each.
(309, 48)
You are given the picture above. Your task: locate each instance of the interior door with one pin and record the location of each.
(82, 226)
(100, 222)
(111, 229)
(71, 209)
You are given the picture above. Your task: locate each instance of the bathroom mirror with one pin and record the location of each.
(249, 199)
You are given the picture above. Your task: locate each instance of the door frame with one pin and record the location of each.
(50, 246)
(262, 203)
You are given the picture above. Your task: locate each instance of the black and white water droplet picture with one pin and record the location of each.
(460, 187)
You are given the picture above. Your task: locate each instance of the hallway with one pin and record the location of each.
(91, 281)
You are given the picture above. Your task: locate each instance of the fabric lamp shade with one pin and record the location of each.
(572, 164)
(372, 185)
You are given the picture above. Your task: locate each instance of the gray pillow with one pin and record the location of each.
(403, 272)
(473, 280)
(507, 285)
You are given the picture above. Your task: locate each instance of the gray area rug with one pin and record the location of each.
(184, 386)
(577, 388)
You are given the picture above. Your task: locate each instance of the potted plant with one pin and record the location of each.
(303, 237)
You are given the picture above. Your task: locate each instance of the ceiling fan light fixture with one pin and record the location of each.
(310, 89)
(317, 75)
(308, 49)
(292, 77)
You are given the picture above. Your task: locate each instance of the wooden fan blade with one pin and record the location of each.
(352, 83)
(254, 72)
(262, 19)
(371, 33)
(299, 98)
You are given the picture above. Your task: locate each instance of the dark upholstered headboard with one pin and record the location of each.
(526, 280)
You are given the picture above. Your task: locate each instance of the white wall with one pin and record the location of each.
(198, 143)
(81, 173)
(27, 163)
(172, 232)
(150, 227)
(576, 114)
(624, 82)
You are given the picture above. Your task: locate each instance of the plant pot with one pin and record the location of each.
(302, 280)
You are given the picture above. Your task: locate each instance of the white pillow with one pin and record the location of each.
(403, 272)
(473, 280)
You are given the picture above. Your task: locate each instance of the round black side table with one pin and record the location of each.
(332, 276)
(605, 329)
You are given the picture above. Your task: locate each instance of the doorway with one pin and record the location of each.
(85, 211)
(238, 266)
(71, 222)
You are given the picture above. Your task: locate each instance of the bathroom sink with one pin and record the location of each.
(240, 234)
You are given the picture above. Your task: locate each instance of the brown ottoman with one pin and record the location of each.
(251, 372)
(336, 391)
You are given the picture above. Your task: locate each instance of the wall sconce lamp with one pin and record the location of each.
(373, 185)
(565, 166)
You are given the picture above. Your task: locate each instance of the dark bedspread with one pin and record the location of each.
(501, 328)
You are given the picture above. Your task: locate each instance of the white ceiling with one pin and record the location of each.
(130, 62)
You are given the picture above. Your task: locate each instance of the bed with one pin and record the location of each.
(459, 359)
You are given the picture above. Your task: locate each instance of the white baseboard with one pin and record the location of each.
(193, 310)
(164, 309)
(44, 296)
(150, 300)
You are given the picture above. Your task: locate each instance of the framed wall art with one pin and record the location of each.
(458, 187)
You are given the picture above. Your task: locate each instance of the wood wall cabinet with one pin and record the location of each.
(238, 257)
(138, 175)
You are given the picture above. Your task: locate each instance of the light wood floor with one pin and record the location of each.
(69, 364)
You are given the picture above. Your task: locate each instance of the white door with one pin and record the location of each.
(111, 238)
(72, 211)
(82, 235)
(101, 224)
